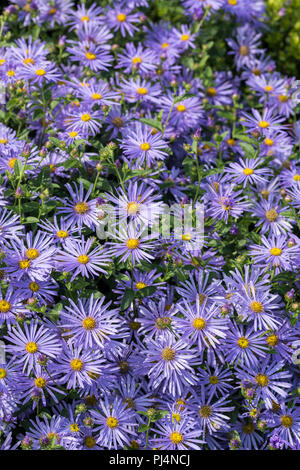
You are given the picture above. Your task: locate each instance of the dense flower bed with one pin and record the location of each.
(128, 337)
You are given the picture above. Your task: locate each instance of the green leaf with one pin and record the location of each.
(31, 220)
(143, 428)
(147, 291)
(127, 299)
(183, 97)
(152, 123)
(18, 167)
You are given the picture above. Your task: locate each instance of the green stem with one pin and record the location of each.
(147, 435)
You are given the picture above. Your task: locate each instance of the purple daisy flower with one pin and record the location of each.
(244, 347)
(121, 18)
(137, 58)
(211, 416)
(132, 244)
(269, 380)
(263, 123)
(78, 258)
(27, 345)
(115, 423)
(177, 436)
(90, 322)
(275, 253)
(169, 363)
(201, 324)
(79, 210)
(11, 307)
(246, 171)
(271, 217)
(78, 366)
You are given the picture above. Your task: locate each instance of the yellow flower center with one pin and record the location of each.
(12, 162)
(271, 215)
(268, 142)
(3, 373)
(89, 442)
(34, 287)
(186, 237)
(176, 417)
(262, 380)
(168, 354)
(4, 306)
(76, 364)
(118, 121)
(256, 307)
(272, 340)
(248, 428)
(112, 422)
(133, 208)
(205, 411)
(132, 243)
(268, 88)
(40, 72)
(136, 60)
(31, 347)
(90, 56)
(199, 323)
(145, 146)
(140, 285)
(2, 61)
(296, 177)
(276, 251)
(231, 142)
(73, 134)
(180, 403)
(85, 117)
(243, 342)
(89, 323)
(74, 427)
(3, 141)
(83, 259)
(165, 45)
(24, 264)
(211, 91)
(134, 325)
(85, 18)
(121, 17)
(40, 382)
(244, 50)
(213, 380)
(142, 91)
(248, 171)
(96, 96)
(62, 234)
(181, 108)
(185, 37)
(32, 253)
(81, 207)
(176, 437)
(283, 98)
(263, 124)
(11, 73)
(287, 421)
(29, 60)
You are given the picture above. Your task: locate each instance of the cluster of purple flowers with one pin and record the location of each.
(143, 340)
